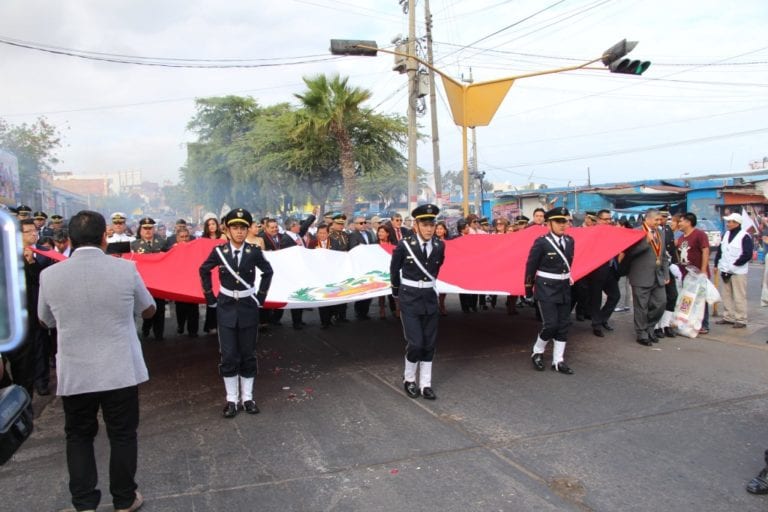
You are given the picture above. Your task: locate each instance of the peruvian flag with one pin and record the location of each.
(307, 278)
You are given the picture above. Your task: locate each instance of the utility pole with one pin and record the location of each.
(478, 204)
(412, 67)
(433, 111)
(589, 178)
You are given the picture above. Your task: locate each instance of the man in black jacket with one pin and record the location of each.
(416, 262)
(548, 280)
(237, 308)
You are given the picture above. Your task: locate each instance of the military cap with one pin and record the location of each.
(558, 213)
(59, 235)
(427, 212)
(339, 218)
(521, 219)
(56, 218)
(181, 222)
(39, 215)
(23, 210)
(118, 216)
(483, 221)
(665, 210)
(147, 222)
(238, 216)
(591, 215)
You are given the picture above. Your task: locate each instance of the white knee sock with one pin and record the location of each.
(425, 374)
(231, 385)
(410, 371)
(540, 346)
(558, 351)
(246, 388)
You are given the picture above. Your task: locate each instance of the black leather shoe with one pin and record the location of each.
(250, 407)
(538, 362)
(669, 332)
(230, 410)
(607, 327)
(298, 327)
(428, 393)
(562, 368)
(645, 341)
(598, 332)
(411, 389)
(653, 338)
(42, 390)
(659, 333)
(759, 484)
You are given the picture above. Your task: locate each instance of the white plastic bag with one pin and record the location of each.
(689, 309)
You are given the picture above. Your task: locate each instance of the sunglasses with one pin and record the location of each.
(120, 222)
(147, 227)
(361, 222)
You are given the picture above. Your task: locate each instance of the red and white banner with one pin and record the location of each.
(306, 278)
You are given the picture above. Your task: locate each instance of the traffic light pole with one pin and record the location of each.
(476, 104)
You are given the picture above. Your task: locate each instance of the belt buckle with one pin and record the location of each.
(236, 294)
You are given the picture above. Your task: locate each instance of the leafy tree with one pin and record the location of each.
(331, 108)
(35, 147)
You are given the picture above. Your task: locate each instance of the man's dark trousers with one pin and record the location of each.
(120, 409)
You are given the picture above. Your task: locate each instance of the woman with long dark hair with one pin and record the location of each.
(441, 232)
(384, 236)
(212, 230)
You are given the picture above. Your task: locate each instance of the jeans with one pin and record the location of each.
(120, 410)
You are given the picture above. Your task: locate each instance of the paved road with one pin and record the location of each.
(681, 426)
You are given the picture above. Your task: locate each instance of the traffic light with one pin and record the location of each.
(614, 59)
(353, 47)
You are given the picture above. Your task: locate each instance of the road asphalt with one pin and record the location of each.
(680, 426)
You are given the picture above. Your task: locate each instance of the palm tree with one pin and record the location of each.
(332, 109)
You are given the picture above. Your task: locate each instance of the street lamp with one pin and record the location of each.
(476, 103)
(480, 175)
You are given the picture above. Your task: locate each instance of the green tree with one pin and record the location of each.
(332, 108)
(35, 147)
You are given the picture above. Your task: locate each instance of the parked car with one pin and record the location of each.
(712, 231)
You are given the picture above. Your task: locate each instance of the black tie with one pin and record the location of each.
(562, 244)
(424, 248)
(237, 258)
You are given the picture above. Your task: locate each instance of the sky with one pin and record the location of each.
(701, 108)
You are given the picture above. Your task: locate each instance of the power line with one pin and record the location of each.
(164, 62)
(640, 148)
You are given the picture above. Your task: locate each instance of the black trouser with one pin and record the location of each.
(210, 319)
(22, 362)
(120, 410)
(43, 358)
(555, 319)
(157, 323)
(599, 283)
(421, 336)
(671, 289)
(468, 302)
(297, 317)
(362, 307)
(580, 297)
(325, 313)
(187, 314)
(237, 346)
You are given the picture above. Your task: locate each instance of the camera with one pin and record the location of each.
(15, 402)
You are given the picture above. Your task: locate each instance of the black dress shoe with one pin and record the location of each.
(538, 362)
(179, 331)
(607, 327)
(298, 327)
(250, 407)
(325, 326)
(42, 390)
(411, 389)
(562, 368)
(669, 332)
(659, 333)
(645, 341)
(428, 393)
(230, 410)
(598, 332)
(759, 484)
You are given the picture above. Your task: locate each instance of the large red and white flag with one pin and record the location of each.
(306, 278)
